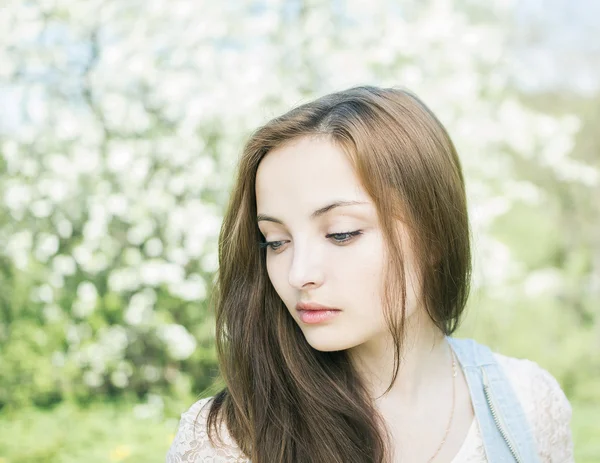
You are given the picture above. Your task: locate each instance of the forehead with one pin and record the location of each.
(303, 175)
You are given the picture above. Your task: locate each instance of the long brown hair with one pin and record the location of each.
(283, 400)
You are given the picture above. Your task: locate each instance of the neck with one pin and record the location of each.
(425, 358)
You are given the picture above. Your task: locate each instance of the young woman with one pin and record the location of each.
(344, 267)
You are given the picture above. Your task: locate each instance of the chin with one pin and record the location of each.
(327, 343)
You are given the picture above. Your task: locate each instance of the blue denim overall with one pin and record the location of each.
(504, 428)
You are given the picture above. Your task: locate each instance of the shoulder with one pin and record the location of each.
(545, 404)
(191, 443)
(534, 386)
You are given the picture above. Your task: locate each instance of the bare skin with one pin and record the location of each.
(417, 409)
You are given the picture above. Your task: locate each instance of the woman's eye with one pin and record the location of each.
(274, 245)
(343, 237)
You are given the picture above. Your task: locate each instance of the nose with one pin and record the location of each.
(306, 268)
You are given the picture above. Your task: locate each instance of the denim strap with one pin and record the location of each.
(477, 361)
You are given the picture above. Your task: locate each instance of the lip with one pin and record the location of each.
(313, 306)
(311, 313)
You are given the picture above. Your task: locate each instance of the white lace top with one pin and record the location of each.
(543, 401)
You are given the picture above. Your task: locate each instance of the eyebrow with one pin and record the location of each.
(319, 212)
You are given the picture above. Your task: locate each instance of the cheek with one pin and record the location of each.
(358, 275)
(368, 262)
(277, 273)
(271, 272)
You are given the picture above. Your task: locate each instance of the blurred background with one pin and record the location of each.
(120, 125)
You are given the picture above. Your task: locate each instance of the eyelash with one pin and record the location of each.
(352, 234)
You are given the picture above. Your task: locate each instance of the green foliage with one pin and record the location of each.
(69, 434)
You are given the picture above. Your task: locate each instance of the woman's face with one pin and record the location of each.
(334, 257)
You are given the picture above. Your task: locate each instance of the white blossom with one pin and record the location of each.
(179, 342)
